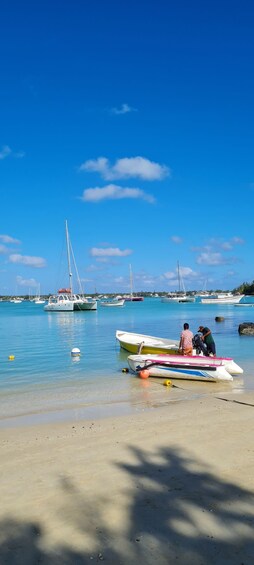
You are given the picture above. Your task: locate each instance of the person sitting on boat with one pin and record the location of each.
(185, 345)
(207, 338)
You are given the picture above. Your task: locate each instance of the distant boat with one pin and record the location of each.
(181, 295)
(223, 298)
(131, 297)
(38, 299)
(112, 303)
(65, 300)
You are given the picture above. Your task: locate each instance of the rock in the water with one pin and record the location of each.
(247, 328)
(219, 319)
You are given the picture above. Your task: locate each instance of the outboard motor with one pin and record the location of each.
(199, 345)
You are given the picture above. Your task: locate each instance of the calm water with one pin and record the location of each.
(45, 382)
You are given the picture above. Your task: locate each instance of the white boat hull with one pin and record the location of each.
(84, 304)
(178, 299)
(64, 306)
(112, 304)
(227, 300)
(162, 366)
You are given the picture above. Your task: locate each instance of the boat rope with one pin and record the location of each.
(236, 401)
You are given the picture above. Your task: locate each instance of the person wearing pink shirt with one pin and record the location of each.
(186, 345)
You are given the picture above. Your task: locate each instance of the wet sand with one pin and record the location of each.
(170, 484)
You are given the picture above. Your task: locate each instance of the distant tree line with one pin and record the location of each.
(245, 288)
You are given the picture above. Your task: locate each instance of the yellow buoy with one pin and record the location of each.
(11, 357)
(167, 383)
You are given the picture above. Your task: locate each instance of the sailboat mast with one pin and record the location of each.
(131, 281)
(68, 255)
(178, 274)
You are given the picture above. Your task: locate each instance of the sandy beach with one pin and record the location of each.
(165, 485)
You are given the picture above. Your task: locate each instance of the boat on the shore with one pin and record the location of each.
(144, 344)
(134, 343)
(183, 368)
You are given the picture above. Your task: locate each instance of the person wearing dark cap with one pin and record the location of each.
(207, 338)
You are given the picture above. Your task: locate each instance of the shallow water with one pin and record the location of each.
(44, 382)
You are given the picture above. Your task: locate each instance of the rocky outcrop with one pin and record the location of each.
(247, 328)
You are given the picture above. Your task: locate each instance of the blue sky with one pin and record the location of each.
(135, 123)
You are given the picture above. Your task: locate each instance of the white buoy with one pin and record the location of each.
(75, 352)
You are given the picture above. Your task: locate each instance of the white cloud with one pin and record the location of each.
(9, 239)
(3, 249)
(214, 259)
(37, 262)
(170, 275)
(126, 168)
(6, 150)
(237, 240)
(109, 252)
(124, 109)
(26, 282)
(176, 239)
(114, 192)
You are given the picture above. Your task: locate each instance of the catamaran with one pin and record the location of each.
(65, 300)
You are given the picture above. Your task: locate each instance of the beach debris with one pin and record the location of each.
(11, 357)
(75, 352)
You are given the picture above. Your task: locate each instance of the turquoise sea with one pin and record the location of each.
(45, 383)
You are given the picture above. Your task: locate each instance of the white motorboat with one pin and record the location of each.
(223, 298)
(143, 344)
(164, 366)
(112, 303)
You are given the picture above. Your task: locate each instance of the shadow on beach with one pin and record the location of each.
(177, 512)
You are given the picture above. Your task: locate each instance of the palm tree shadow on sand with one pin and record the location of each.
(178, 512)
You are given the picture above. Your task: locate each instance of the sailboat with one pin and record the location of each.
(38, 299)
(65, 300)
(181, 295)
(131, 297)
